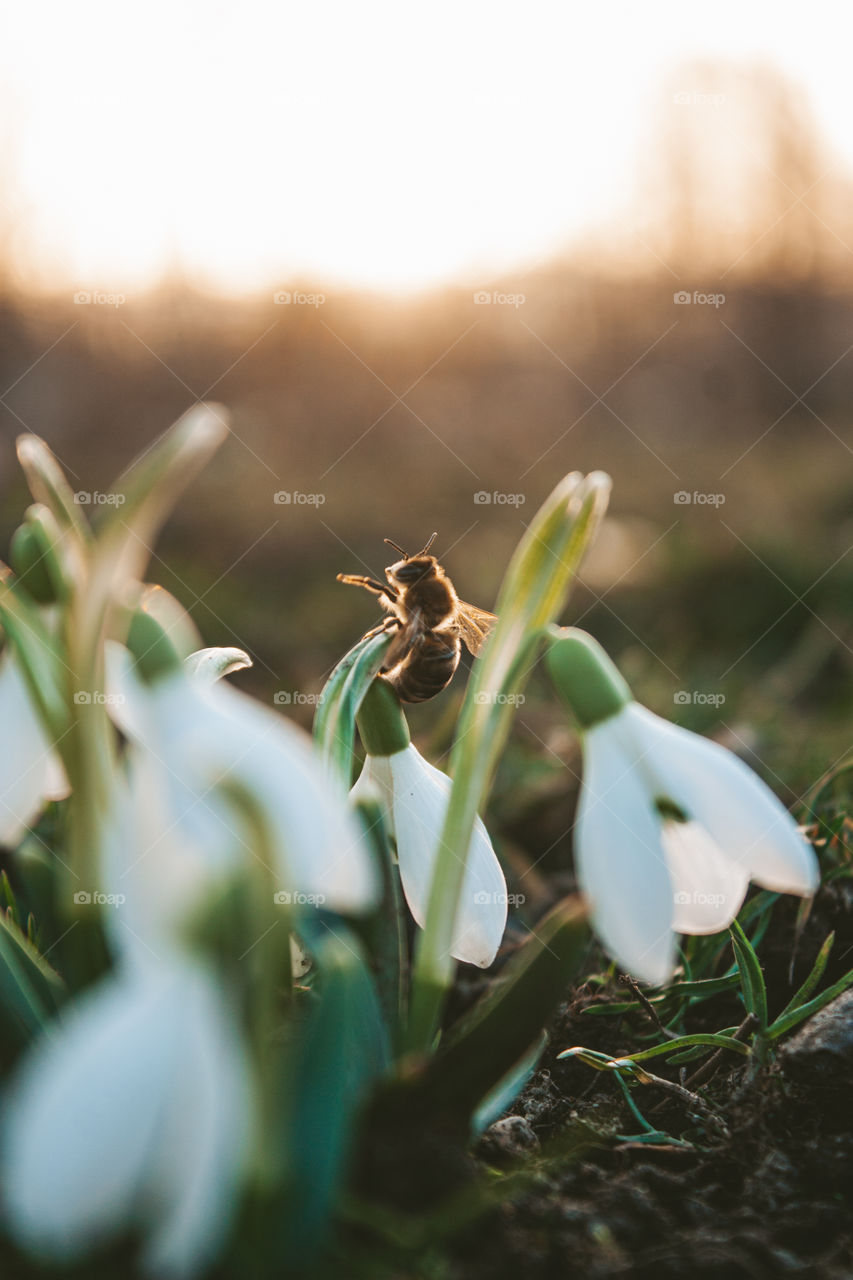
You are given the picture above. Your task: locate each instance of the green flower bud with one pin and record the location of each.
(156, 656)
(381, 722)
(584, 676)
(31, 557)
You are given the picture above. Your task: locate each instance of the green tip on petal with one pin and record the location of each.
(584, 676)
(155, 655)
(381, 722)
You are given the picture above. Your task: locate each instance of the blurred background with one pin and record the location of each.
(431, 259)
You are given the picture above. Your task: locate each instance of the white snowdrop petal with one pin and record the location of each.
(126, 694)
(374, 783)
(319, 840)
(163, 854)
(202, 737)
(619, 858)
(134, 1111)
(55, 785)
(421, 796)
(708, 887)
(30, 769)
(743, 816)
(82, 1117)
(204, 1138)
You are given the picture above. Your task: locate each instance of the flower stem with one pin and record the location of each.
(533, 593)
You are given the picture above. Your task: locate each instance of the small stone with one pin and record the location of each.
(509, 1139)
(825, 1044)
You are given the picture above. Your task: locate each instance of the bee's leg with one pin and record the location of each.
(369, 584)
(388, 624)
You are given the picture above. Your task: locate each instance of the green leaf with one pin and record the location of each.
(751, 976)
(501, 1097)
(340, 1050)
(48, 485)
(711, 1040)
(384, 930)
(36, 653)
(690, 1055)
(342, 695)
(802, 995)
(500, 1031)
(787, 1021)
(701, 988)
(30, 990)
(145, 495)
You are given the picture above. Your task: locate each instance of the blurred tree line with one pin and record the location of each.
(379, 416)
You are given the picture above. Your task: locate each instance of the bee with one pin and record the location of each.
(430, 622)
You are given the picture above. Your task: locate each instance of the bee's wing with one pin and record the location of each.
(475, 625)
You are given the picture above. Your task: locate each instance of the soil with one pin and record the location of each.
(559, 1187)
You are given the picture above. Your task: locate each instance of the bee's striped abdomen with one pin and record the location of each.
(427, 668)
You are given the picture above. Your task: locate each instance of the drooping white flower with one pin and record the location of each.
(192, 741)
(415, 795)
(647, 873)
(31, 772)
(135, 1110)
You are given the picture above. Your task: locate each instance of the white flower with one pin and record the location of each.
(135, 1110)
(191, 740)
(31, 771)
(415, 796)
(647, 876)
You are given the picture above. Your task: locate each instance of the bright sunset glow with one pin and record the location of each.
(388, 146)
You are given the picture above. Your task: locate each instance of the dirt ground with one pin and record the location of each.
(559, 1187)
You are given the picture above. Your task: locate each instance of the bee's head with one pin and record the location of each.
(406, 572)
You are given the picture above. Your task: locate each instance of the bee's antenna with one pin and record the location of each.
(396, 548)
(428, 545)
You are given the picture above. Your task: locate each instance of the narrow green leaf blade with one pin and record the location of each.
(786, 1022)
(342, 695)
(30, 990)
(805, 991)
(752, 978)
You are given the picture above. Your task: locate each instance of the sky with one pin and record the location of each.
(382, 145)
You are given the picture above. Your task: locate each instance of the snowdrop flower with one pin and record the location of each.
(671, 828)
(191, 740)
(414, 796)
(135, 1110)
(31, 771)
